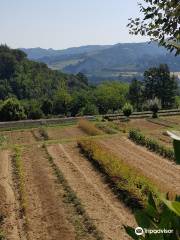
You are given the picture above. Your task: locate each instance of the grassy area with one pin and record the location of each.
(89, 128)
(134, 186)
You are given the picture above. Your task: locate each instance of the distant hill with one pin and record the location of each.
(122, 61)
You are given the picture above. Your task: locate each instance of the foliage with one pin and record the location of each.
(89, 109)
(12, 110)
(127, 109)
(132, 182)
(62, 102)
(33, 109)
(160, 22)
(177, 101)
(154, 106)
(43, 133)
(151, 144)
(158, 83)
(106, 128)
(135, 94)
(89, 127)
(110, 95)
(47, 106)
(157, 218)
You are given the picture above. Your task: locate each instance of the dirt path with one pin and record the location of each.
(8, 203)
(166, 174)
(47, 219)
(100, 203)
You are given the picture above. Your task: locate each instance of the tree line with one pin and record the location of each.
(30, 90)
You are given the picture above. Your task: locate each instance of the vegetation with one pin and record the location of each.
(157, 219)
(127, 109)
(133, 185)
(154, 106)
(139, 138)
(160, 21)
(89, 127)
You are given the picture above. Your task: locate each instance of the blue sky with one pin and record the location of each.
(60, 24)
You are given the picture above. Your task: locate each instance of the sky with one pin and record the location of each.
(60, 24)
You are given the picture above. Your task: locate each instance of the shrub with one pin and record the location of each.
(151, 144)
(127, 109)
(43, 133)
(154, 106)
(12, 110)
(89, 127)
(124, 176)
(89, 109)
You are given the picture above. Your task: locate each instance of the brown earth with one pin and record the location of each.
(173, 119)
(65, 132)
(46, 215)
(164, 173)
(8, 203)
(19, 137)
(108, 213)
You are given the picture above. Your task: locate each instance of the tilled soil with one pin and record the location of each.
(65, 132)
(46, 215)
(164, 173)
(108, 213)
(8, 203)
(19, 137)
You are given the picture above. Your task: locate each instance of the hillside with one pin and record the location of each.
(120, 61)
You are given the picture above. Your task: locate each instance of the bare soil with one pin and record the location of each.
(19, 137)
(164, 173)
(8, 203)
(65, 132)
(46, 215)
(108, 213)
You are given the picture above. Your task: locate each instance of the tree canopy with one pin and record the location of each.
(160, 21)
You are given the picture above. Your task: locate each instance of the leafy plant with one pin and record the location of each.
(154, 106)
(127, 109)
(151, 144)
(159, 219)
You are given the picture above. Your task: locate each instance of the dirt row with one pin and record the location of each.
(100, 203)
(164, 173)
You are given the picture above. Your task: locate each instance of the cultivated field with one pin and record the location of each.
(53, 188)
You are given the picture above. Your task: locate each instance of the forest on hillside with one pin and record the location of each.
(31, 90)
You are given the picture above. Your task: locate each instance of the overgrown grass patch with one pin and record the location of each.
(106, 128)
(139, 138)
(133, 186)
(89, 128)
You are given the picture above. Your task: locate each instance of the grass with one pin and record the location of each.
(71, 198)
(106, 128)
(133, 186)
(20, 181)
(89, 128)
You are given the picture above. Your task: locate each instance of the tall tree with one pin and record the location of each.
(158, 83)
(160, 21)
(135, 94)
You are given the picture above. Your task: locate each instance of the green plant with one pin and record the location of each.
(132, 185)
(151, 144)
(157, 220)
(43, 133)
(154, 106)
(127, 109)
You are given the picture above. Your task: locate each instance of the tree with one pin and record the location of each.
(135, 94)
(47, 106)
(62, 102)
(159, 83)
(161, 22)
(12, 110)
(154, 106)
(89, 109)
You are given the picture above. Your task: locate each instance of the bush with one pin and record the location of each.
(12, 110)
(33, 109)
(89, 109)
(127, 109)
(89, 127)
(127, 179)
(151, 144)
(154, 106)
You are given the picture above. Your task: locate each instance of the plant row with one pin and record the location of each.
(89, 127)
(139, 138)
(130, 183)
